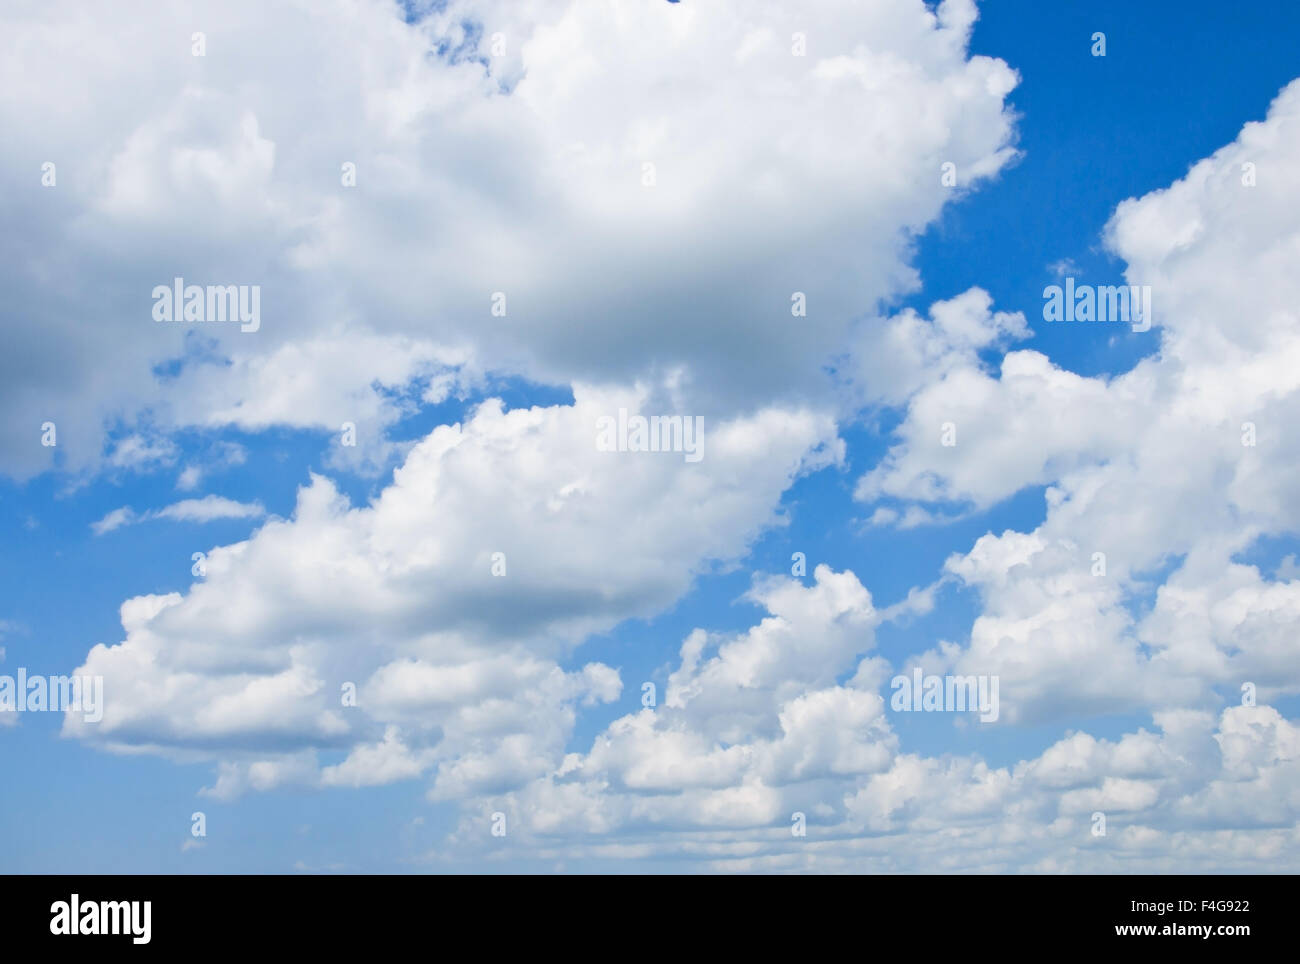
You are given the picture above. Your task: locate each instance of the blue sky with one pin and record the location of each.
(1178, 83)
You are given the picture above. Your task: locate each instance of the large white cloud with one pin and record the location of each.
(501, 544)
(475, 173)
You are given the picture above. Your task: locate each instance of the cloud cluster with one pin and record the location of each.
(755, 738)
(647, 186)
(446, 603)
(1128, 598)
(1179, 464)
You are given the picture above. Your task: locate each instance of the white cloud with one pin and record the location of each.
(220, 456)
(1148, 468)
(139, 453)
(457, 670)
(476, 174)
(207, 509)
(115, 519)
(525, 178)
(189, 478)
(716, 772)
(747, 724)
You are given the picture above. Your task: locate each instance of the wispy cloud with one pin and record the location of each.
(207, 509)
(137, 452)
(223, 455)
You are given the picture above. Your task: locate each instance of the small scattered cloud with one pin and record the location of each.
(207, 509)
(223, 455)
(1064, 267)
(189, 478)
(139, 453)
(114, 520)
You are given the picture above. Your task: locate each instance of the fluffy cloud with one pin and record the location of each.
(1181, 463)
(718, 772)
(523, 170)
(447, 602)
(639, 229)
(750, 725)
(519, 172)
(1127, 598)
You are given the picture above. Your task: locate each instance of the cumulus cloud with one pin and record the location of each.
(447, 603)
(647, 189)
(1180, 463)
(520, 173)
(1129, 597)
(718, 772)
